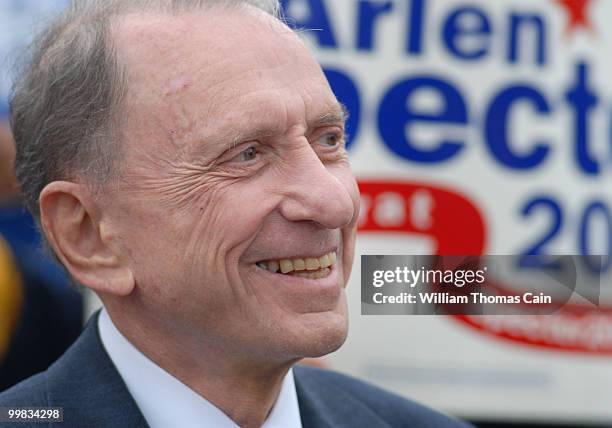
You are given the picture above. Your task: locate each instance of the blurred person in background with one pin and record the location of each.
(10, 297)
(40, 314)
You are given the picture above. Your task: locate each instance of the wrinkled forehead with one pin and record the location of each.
(217, 62)
(139, 35)
(213, 44)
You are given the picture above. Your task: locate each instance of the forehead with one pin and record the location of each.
(199, 71)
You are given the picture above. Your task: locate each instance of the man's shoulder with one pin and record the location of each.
(39, 389)
(70, 368)
(84, 383)
(324, 387)
(31, 392)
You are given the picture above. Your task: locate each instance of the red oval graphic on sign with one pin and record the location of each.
(450, 219)
(457, 227)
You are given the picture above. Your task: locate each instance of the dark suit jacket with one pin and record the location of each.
(86, 384)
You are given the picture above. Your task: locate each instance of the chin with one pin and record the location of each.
(326, 346)
(321, 336)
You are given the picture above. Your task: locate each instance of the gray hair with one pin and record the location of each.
(66, 98)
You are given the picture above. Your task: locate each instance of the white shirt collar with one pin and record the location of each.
(165, 401)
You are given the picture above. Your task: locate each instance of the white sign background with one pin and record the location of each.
(438, 360)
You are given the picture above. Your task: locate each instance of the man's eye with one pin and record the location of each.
(331, 139)
(246, 155)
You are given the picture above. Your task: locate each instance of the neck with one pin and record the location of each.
(244, 389)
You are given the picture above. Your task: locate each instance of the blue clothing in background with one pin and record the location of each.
(52, 314)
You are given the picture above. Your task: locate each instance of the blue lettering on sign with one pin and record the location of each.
(518, 22)
(583, 101)
(497, 129)
(396, 116)
(596, 264)
(541, 246)
(467, 33)
(368, 14)
(414, 44)
(538, 247)
(457, 31)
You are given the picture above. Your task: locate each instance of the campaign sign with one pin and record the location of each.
(478, 128)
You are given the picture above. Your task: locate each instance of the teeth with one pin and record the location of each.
(298, 265)
(317, 274)
(324, 261)
(286, 266)
(312, 264)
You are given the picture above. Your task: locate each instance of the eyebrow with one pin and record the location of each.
(338, 114)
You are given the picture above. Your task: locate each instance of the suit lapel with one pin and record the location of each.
(87, 385)
(324, 405)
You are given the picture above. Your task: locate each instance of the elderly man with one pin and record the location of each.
(186, 161)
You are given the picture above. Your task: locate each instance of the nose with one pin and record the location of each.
(314, 193)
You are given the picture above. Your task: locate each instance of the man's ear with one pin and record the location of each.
(71, 222)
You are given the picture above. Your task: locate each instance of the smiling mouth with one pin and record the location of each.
(312, 268)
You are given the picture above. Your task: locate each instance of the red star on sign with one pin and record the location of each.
(576, 14)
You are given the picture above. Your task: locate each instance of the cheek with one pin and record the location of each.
(227, 219)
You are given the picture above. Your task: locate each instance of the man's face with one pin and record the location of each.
(233, 161)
